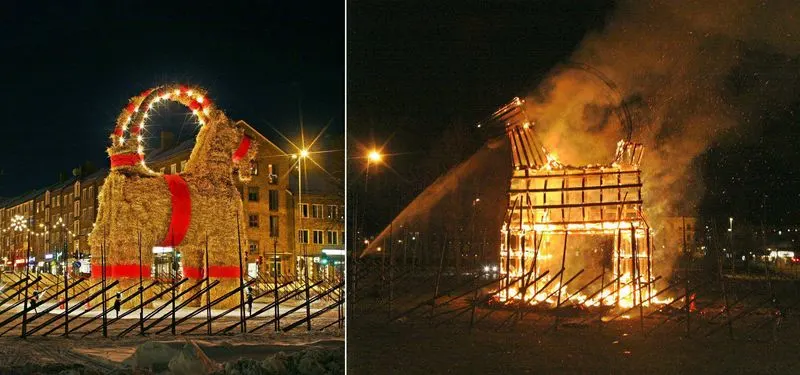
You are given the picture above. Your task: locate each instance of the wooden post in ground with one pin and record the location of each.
(25, 300)
(474, 300)
(638, 275)
(619, 262)
(438, 277)
(242, 322)
(561, 277)
(208, 291)
(141, 291)
(174, 276)
(275, 292)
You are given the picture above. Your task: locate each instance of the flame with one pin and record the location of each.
(626, 297)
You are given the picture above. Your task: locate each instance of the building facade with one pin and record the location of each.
(320, 231)
(680, 234)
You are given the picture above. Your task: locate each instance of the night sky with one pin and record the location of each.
(68, 70)
(420, 74)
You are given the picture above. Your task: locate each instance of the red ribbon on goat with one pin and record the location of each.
(181, 210)
(240, 152)
(122, 160)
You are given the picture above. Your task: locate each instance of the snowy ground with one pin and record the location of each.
(99, 354)
(104, 355)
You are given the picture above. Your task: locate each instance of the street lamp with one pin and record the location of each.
(304, 241)
(374, 156)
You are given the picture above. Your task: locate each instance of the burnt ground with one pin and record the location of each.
(418, 348)
(498, 344)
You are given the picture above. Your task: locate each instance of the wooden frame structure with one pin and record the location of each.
(553, 206)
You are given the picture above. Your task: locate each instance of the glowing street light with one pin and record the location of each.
(303, 153)
(374, 156)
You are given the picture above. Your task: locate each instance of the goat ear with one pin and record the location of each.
(244, 162)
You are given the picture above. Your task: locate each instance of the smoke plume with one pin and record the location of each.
(687, 70)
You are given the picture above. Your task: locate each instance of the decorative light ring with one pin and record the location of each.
(127, 142)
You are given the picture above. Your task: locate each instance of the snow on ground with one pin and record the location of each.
(106, 354)
(96, 354)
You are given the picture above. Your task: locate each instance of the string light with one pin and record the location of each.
(193, 98)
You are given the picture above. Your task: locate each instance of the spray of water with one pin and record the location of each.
(471, 192)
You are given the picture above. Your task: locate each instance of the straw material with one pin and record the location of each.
(135, 199)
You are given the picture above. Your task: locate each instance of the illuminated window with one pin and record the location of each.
(317, 236)
(252, 221)
(252, 247)
(252, 194)
(273, 200)
(304, 209)
(273, 226)
(302, 235)
(316, 211)
(272, 170)
(173, 168)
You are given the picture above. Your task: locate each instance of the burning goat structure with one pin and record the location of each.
(572, 234)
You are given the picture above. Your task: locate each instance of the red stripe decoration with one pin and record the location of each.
(181, 210)
(119, 271)
(240, 152)
(122, 160)
(193, 272)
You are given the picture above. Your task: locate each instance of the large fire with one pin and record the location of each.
(573, 234)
